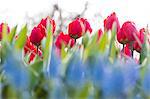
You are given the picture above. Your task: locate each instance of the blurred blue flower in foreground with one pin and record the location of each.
(75, 73)
(95, 69)
(131, 74)
(16, 73)
(54, 66)
(112, 84)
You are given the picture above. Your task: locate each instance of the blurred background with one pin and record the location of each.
(21, 12)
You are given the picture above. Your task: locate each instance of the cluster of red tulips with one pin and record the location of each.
(77, 28)
(127, 34)
(34, 40)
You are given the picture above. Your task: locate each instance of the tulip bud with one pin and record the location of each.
(1, 29)
(100, 33)
(110, 20)
(126, 50)
(79, 27)
(138, 43)
(44, 24)
(36, 36)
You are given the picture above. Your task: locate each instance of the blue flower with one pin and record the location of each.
(54, 66)
(75, 73)
(112, 84)
(16, 73)
(131, 74)
(94, 67)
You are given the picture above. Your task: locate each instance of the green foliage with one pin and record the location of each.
(11, 36)
(103, 43)
(48, 46)
(21, 39)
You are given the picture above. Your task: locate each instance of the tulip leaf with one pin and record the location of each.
(113, 52)
(21, 39)
(85, 92)
(34, 73)
(36, 67)
(9, 91)
(112, 46)
(63, 52)
(48, 46)
(91, 48)
(12, 34)
(65, 61)
(85, 40)
(145, 50)
(103, 43)
(142, 71)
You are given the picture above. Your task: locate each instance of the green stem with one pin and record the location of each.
(75, 40)
(37, 48)
(123, 47)
(132, 50)
(132, 53)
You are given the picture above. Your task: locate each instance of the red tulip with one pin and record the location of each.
(121, 37)
(138, 45)
(126, 51)
(75, 29)
(34, 53)
(79, 27)
(44, 23)
(129, 31)
(64, 39)
(36, 36)
(43, 29)
(1, 29)
(86, 25)
(28, 46)
(100, 33)
(109, 21)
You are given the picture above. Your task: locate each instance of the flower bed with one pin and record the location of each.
(75, 64)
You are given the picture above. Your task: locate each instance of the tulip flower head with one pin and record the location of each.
(100, 33)
(139, 41)
(36, 36)
(64, 39)
(30, 49)
(129, 30)
(121, 37)
(79, 27)
(43, 24)
(126, 51)
(110, 20)
(28, 46)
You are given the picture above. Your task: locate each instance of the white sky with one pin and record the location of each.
(13, 11)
